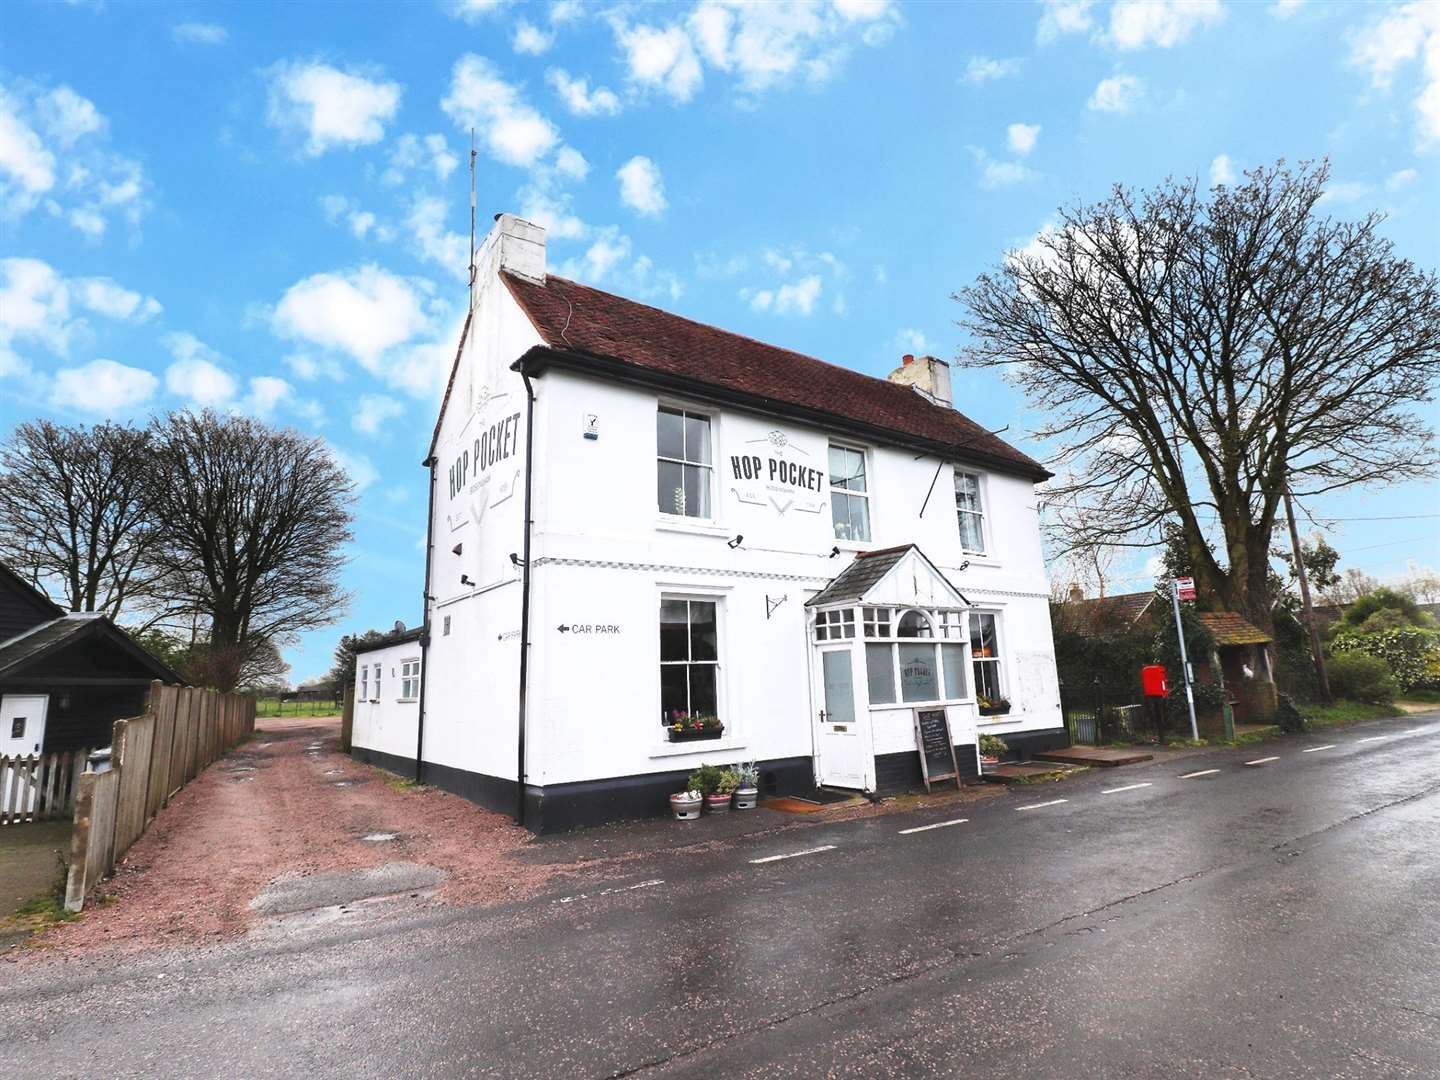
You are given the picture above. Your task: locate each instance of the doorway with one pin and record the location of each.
(843, 751)
(22, 724)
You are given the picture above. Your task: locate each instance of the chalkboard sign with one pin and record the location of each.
(937, 751)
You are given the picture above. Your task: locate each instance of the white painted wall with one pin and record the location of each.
(384, 720)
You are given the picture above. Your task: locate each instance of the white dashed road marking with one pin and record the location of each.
(1313, 749)
(607, 892)
(1127, 787)
(937, 825)
(795, 854)
(1263, 760)
(1202, 772)
(1039, 805)
(1373, 738)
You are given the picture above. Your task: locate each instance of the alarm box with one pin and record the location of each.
(1152, 680)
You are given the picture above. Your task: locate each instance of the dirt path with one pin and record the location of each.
(288, 803)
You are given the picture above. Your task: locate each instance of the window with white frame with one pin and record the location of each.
(849, 494)
(410, 679)
(689, 659)
(682, 450)
(985, 655)
(835, 625)
(364, 682)
(970, 511)
(378, 669)
(918, 664)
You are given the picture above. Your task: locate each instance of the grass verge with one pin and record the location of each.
(1347, 712)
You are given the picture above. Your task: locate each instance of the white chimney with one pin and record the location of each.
(928, 374)
(513, 244)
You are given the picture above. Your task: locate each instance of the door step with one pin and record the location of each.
(1107, 757)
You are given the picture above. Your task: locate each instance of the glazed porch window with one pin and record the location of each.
(684, 465)
(923, 669)
(689, 659)
(849, 494)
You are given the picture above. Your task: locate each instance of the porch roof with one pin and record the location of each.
(1229, 628)
(866, 571)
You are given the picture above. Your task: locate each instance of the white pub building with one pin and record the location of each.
(654, 543)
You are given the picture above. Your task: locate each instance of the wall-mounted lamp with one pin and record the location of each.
(739, 537)
(835, 551)
(457, 548)
(465, 580)
(963, 567)
(516, 561)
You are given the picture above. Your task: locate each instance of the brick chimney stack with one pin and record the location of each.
(927, 374)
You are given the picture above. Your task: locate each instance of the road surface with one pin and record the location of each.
(1270, 911)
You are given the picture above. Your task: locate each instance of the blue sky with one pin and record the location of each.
(262, 207)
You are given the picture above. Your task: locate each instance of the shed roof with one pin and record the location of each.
(1112, 614)
(588, 328)
(40, 641)
(1229, 628)
(393, 637)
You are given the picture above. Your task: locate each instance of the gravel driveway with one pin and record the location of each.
(286, 806)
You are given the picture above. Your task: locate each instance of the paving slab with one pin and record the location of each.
(301, 892)
(1107, 757)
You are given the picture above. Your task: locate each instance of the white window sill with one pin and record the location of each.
(695, 528)
(696, 747)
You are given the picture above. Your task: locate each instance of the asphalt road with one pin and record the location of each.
(1276, 919)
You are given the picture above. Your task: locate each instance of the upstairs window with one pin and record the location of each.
(849, 494)
(364, 682)
(410, 679)
(970, 512)
(682, 447)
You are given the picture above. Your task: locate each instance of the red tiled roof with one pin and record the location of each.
(1111, 614)
(575, 318)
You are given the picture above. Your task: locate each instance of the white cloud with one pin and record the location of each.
(566, 11)
(373, 411)
(530, 40)
(104, 296)
(579, 98)
(67, 117)
(1284, 9)
(330, 107)
(1117, 94)
(663, 59)
(433, 241)
(796, 298)
(1406, 32)
(911, 340)
(1000, 174)
(641, 186)
(1403, 178)
(1345, 191)
(983, 69)
(571, 164)
(512, 130)
(1134, 24)
(309, 367)
(1222, 171)
(359, 468)
(103, 387)
(411, 152)
(552, 212)
(473, 11)
(363, 313)
(27, 168)
(362, 223)
(1061, 17)
(196, 374)
(267, 392)
(199, 33)
(1021, 138)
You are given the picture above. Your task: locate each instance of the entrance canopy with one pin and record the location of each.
(900, 577)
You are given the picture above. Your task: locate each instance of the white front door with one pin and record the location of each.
(22, 724)
(842, 736)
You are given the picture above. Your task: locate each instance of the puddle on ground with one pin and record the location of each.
(380, 837)
(241, 779)
(241, 768)
(343, 783)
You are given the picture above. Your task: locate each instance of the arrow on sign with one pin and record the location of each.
(562, 628)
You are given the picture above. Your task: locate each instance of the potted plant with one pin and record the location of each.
(685, 805)
(686, 727)
(719, 803)
(747, 792)
(997, 706)
(992, 747)
(707, 780)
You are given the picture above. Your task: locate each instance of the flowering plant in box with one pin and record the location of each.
(683, 725)
(996, 706)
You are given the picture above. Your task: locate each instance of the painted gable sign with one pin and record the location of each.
(776, 472)
(484, 467)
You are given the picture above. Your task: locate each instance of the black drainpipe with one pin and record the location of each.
(525, 602)
(425, 623)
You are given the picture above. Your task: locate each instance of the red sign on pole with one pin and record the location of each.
(1185, 588)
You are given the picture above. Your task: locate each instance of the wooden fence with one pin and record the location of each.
(153, 756)
(39, 787)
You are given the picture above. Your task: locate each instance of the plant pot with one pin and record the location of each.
(745, 798)
(717, 804)
(685, 809)
(989, 759)
(694, 736)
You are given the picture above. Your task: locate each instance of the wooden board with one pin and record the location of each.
(935, 747)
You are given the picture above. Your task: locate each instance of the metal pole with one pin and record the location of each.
(1316, 652)
(1184, 661)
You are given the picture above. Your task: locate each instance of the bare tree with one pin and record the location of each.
(1196, 354)
(252, 521)
(75, 512)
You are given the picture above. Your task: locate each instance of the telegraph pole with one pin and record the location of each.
(1316, 652)
(472, 221)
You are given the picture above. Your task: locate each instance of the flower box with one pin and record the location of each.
(995, 707)
(692, 735)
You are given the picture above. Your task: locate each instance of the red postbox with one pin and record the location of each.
(1152, 680)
